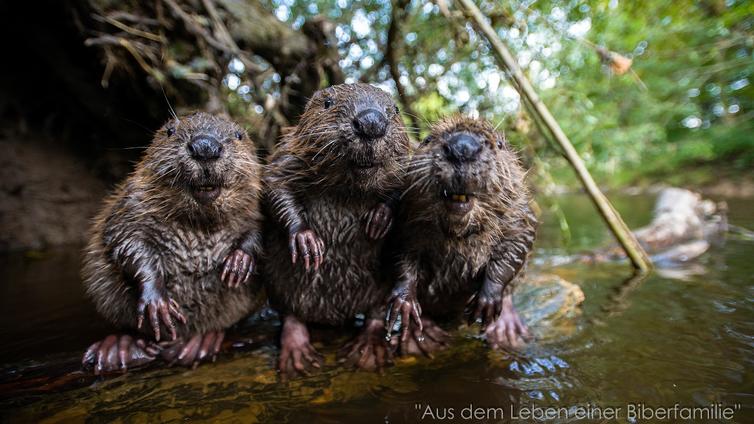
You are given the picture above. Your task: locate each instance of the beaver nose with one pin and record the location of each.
(463, 148)
(204, 148)
(370, 124)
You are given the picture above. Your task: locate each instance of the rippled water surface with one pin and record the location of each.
(683, 335)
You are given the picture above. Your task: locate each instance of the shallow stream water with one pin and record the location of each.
(682, 336)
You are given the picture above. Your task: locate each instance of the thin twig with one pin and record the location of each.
(133, 31)
(397, 14)
(129, 46)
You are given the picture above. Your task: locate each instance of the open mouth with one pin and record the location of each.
(459, 203)
(205, 194)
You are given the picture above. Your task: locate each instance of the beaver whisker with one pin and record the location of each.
(420, 161)
(145, 148)
(317, 131)
(330, 143)
(244, 164)
(426, 121)
(416, 171)
(419, 181)
(426, 186)
(175, 178)
(168, 173)
(321, 134)
(419, 165)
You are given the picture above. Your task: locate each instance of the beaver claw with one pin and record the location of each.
(369, 350)
(431, 339)
(507, 330)
(158, 308)
(311, 248)
(379, 221)
(237, 268)
(118, 353)
(198, 348)
(487, 308)
(403, 304)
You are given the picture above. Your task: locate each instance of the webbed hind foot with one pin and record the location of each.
(422, 342)
(118, 353)
(507, 331)
(197, 349)
(369, 350)
(297, 355)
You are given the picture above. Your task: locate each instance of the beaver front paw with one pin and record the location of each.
(369, 350)
(159, 308)
(309, 246)
(404, 306)
(379, 221)
(237, 268)
(507, 331)
(118, 353)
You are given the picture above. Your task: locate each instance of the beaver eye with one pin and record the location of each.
(328, 102)
(397, 110)
(239, 135)
(499, 143)
(427, 140)
(170, 131)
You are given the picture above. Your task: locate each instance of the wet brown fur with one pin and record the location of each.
(153, 217)
(451, 256)
(314, 181)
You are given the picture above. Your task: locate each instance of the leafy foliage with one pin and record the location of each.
(687, 99)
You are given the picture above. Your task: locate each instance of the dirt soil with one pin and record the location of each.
(47, 195)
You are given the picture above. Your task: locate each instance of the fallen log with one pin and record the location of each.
(684, 226)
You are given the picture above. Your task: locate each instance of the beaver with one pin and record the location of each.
(466, 229)
(176, 245)
(332, 186)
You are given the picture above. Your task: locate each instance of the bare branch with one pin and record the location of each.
(397, 15)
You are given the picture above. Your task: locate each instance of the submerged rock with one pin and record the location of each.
(548, 304)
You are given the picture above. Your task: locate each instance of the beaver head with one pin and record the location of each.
(469, 168)
(352, 134)
(200, 160)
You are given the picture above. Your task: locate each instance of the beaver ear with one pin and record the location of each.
(170, 131)
(500, 140)
(328, 97)
(239, 135)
